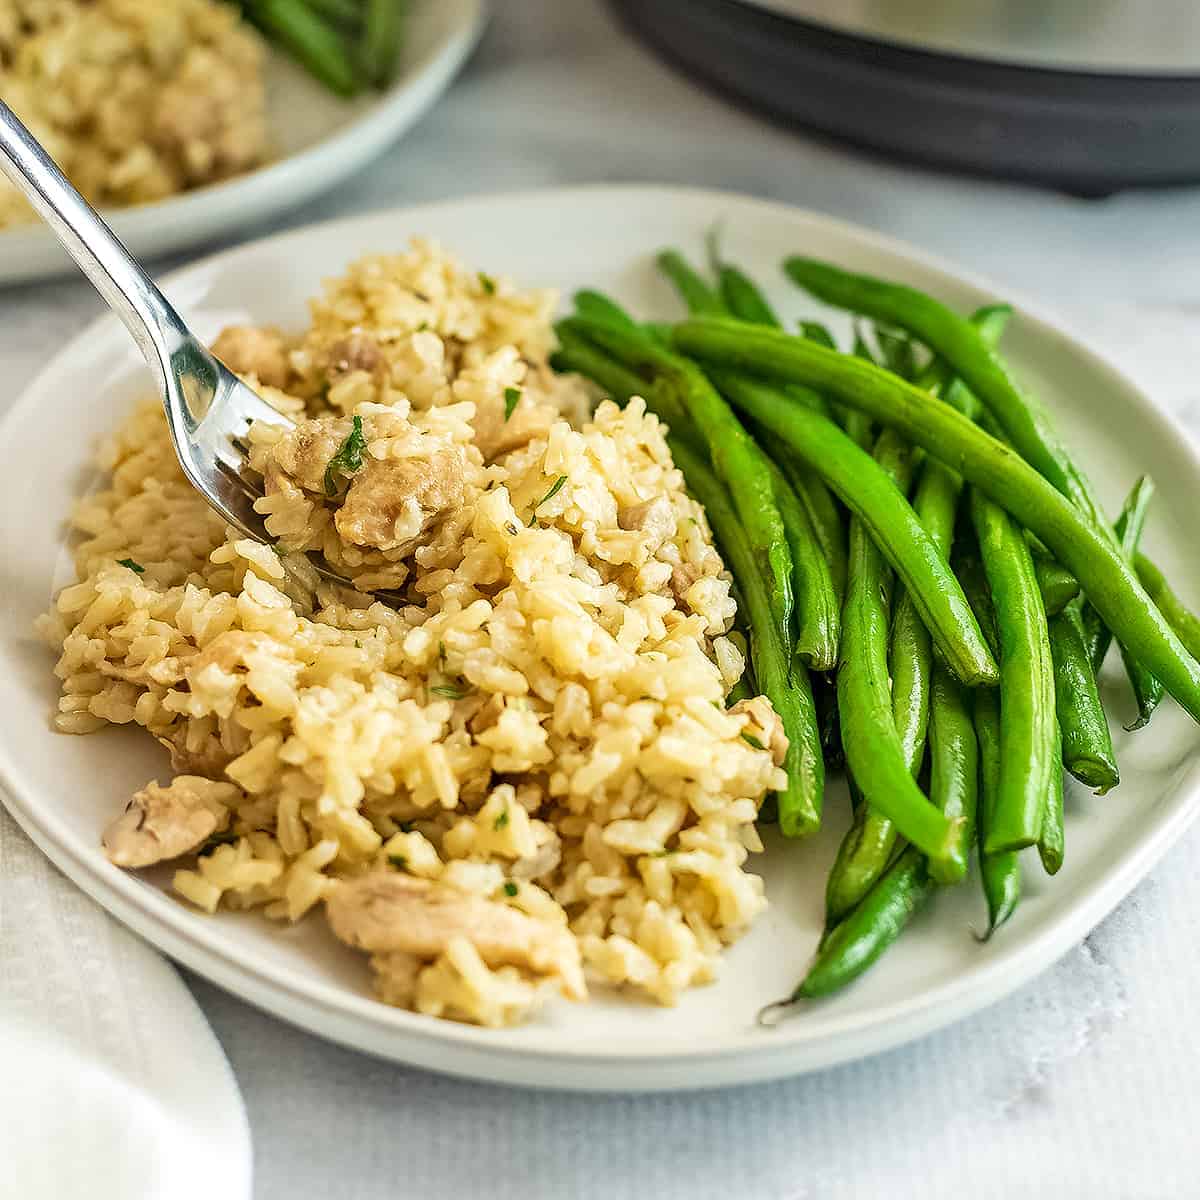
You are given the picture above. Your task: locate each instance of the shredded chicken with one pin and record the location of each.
(303, 453)
(767, 722)
(354, 352)
(655, 518)
(251, 351)
(161, 823)
(496, 435)
(385, 912)
(391, 504)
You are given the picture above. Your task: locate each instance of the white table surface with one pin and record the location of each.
(1083, 1084)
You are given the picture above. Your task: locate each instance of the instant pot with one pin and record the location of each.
(1089, 95)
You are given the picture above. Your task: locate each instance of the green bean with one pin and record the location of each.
(700, 299)
(999, 874)
(1052, 839)
(974, 582)
(959, 343)
(825, 698)
(872, 745)
(1147, 690)
(341, 12)
(1027, 723)
(598, 306)
(874, 499)
(897, 351)
(784, 683)
(867, 847)
(1080, 545)
(1181, 618)
(577, 354)
(1087, 748)
(739, 293)
(380, 47)
(816, 332)
(311, 40)
(1057, 585)
(855, 944)
(816, 609)
(953, 754)
(823, 514)
(736, 458)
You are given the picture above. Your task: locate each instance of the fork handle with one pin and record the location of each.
(155, 325)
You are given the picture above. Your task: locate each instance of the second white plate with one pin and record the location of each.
(63, 790)
(318, 139)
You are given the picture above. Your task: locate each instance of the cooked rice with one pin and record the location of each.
(136, 100)
(537, 723)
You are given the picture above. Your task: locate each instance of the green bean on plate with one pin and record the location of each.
(902, 519)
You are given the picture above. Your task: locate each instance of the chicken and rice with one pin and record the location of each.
(513, 774)
(136, 100)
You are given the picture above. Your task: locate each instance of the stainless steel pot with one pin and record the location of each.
(1119, 36)
(1086, 95)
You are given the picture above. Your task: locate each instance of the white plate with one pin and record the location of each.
(63, 790)
(318, 139)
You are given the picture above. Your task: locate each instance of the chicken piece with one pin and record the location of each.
(252, 351)
(655, 518)
(354, 352)
(396, 977)
(303, 453)
(209, 762)
(386, 912)
(392, 503)
(494, 435)
(764, 718)
(160, 823)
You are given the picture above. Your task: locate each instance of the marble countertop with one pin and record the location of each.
(1082, 1084)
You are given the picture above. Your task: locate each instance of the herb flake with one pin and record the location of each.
(487, 283)
(512, 397)
(751, 740)
(398, 861)
(349, 457)
(133, 566)
(555, 488)
(448, 691)
(510, 888)
(501, 822)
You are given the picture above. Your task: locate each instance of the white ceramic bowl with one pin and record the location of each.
(319, 139)
(63, 790)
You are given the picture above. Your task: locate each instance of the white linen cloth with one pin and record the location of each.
(114, 1087)
(1082, 1085)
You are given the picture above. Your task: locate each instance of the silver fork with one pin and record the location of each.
(208, 408)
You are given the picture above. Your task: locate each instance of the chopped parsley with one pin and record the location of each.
(424, 325)
(512, 397)
(487, 283)
(510, 888)
(398, 861)
(441, 652)
(133, 566)
(555, 488)
(448, 690)
(751, 740)
(501, 822)
(348, 460)
(407, 826)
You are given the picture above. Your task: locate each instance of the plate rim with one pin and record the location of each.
(746, 1056)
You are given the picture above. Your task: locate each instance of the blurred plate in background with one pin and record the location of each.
(319, 139)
